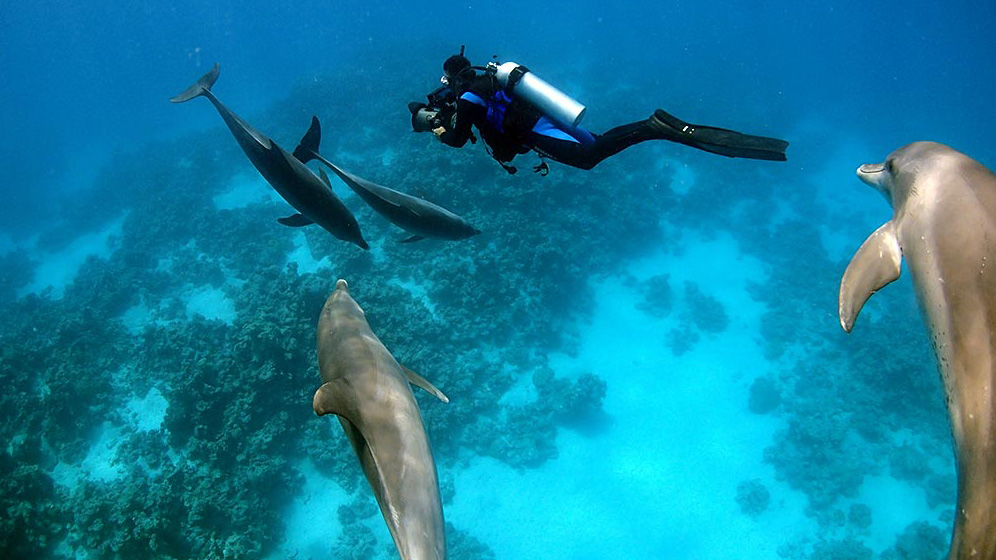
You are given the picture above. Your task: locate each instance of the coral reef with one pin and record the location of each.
(908, 463)
(524, 435)
(700, 313)
(477, 318)
(818, 454)
(33, 521)
(753, 497)
(460, 544)
(919, 541)
(860, 516)
(16, 271)
(682, 339)
(658, 297)
(706, 312)
(765, 396)
(842, 402)
(357, 541)
(216, 474)
(844, 549)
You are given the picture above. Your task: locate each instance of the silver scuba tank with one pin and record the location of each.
(548, 99)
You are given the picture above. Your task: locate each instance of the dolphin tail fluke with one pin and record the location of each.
(876, 264)
(307, 150)
(200, 86)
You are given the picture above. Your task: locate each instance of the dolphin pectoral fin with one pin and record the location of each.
(876, 264)
(329, 399)
(412, 239)
(415, 210)
(419, 381)
(296, 220)
(199, 87)
(325, 177)
(258, 136)
(308, 147)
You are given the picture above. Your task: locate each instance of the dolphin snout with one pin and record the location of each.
(341, 284)
(872, 174)
(870, 168)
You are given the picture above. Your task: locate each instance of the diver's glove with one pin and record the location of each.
(716, 140)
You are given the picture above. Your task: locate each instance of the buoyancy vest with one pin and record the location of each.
(511, 119)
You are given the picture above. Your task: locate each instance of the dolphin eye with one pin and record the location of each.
(889, 166)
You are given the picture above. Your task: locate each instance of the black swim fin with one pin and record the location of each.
(716, 140)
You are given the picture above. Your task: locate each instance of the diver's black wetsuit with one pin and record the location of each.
(510, 126)
(513, 127)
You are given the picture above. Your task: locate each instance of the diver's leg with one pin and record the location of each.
(716, 140)
(661, 126)
(567, 152)
(594, 148)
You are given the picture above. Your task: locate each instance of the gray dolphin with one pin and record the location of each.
(369, 391)
(944, 222)
(298, 185)
(417, 216)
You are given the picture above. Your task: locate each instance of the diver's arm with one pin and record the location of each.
(466, 114)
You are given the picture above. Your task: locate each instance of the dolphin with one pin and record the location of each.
(415, 215)
(369, 391)
(298, 185)
(944, 222)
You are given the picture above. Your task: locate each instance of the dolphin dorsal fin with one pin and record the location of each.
(308, 147)
(419, 381)
(329, 398)
(876, 264)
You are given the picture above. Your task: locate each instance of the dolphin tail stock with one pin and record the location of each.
(307, 149)
(361, 243)
(200, 86)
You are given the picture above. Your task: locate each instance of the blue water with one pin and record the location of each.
(158, 348)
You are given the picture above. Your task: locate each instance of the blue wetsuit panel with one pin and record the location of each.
(496, 107)
(546, 127)
(474, 98)
(496, 110)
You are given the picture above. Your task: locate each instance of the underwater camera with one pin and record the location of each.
(439, 111)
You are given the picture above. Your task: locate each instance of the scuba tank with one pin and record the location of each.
(554, 103)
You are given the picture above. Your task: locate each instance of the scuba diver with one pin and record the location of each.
(516, 112)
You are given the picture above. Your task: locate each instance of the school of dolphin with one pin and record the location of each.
(943, 222)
